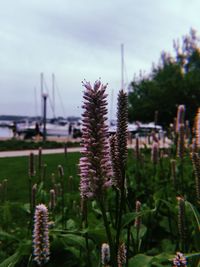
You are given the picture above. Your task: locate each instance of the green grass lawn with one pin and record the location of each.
(16, 171)
(13, 144)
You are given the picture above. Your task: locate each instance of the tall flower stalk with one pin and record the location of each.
(61, 176)
(40, 163)
(181, 223)
(116, 179)
(197, 129)
(122, 131)
(122, 134)
(181, 142)
(41, 235)
(31, 173)
(121, 255)
(137, 224)
(179, 120)
(95, 163)
(33, 196)
(180, 117)
(155, 153)
(173, 173)
(196, 166)
(181, 153)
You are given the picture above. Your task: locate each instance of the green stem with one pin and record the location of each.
(121, 208)
(128, 243)
(109, 235)
(85, 223)
(63, 202)
(195, 213)
(117, 207)
(137, 240)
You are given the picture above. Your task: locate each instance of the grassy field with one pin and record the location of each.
(13, 144)
(71, 240)
(15, 170)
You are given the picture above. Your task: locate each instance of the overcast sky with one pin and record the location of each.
(77, 39)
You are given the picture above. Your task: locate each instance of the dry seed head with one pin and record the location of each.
(116, 179)
(121, 255)
(122, 127)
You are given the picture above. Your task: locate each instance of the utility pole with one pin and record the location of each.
(44, 96)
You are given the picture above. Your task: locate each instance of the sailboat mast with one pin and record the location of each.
(111, 106)
(35, 97)
(42, 91)
(122, 66)
(53, 94)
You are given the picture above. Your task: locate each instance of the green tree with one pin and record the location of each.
(173, 81)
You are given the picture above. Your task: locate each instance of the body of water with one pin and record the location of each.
(5, 132)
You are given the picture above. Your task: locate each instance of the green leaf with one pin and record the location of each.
(142, 232)
(95, 208)
(193, 259)
(140, 260)
(26, 208)
(8, 236)
(163, 258)
(71, 224)
(167, 245)
(98, 235)
(195, 212)
(11, 261)
(74, 251)
(74, 240)
(130, 217)
(24, 249)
